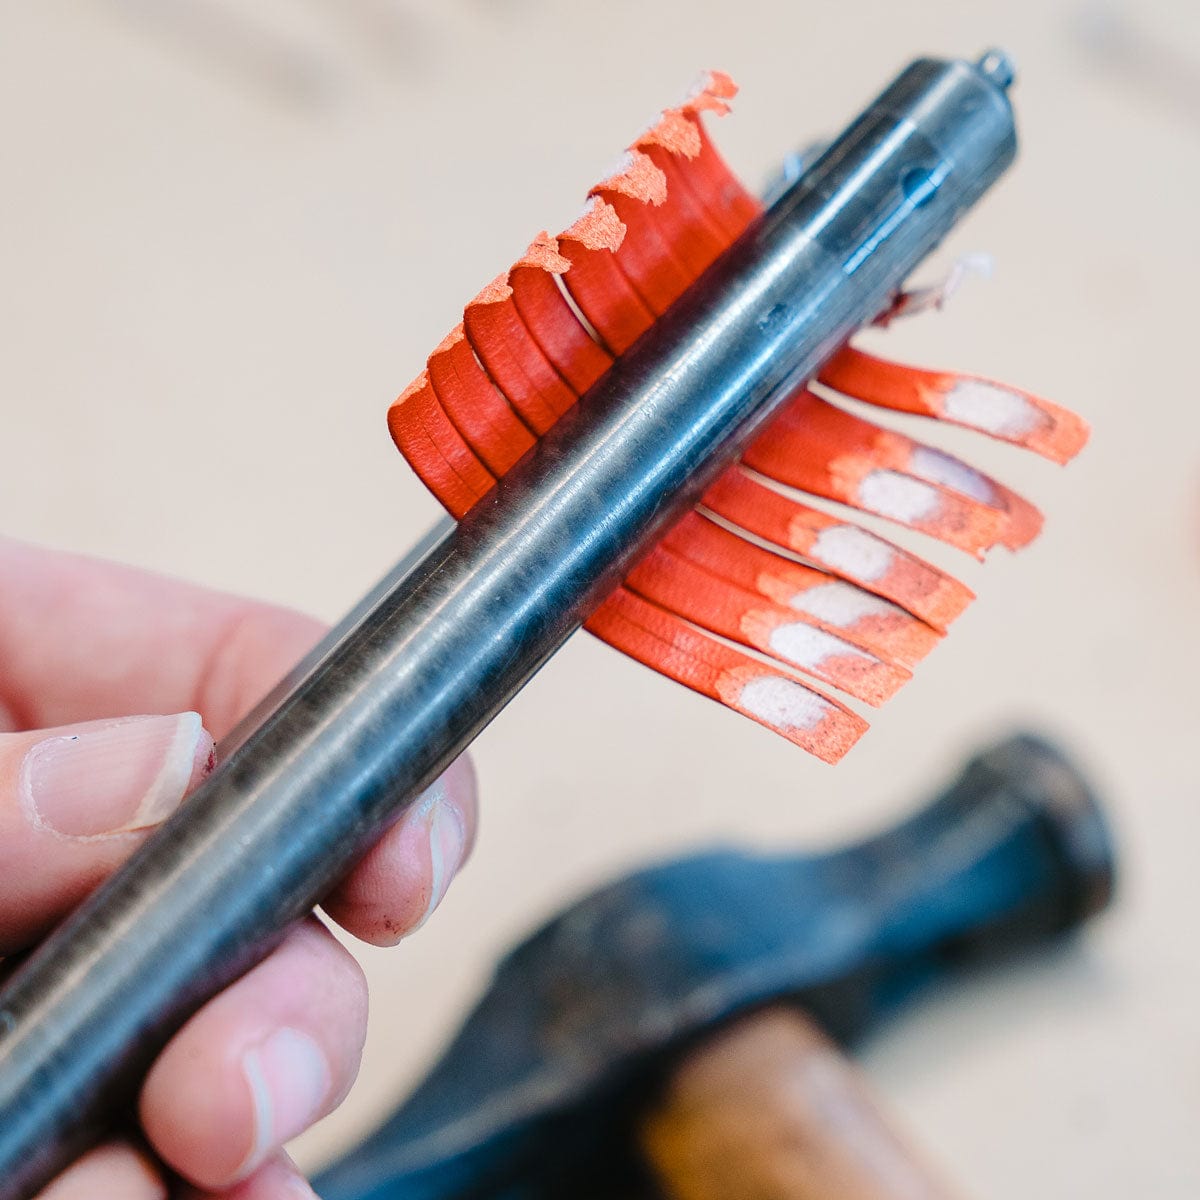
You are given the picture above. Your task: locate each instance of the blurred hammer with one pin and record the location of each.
(676, 1032)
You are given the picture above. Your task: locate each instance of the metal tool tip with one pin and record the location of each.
(998, 67)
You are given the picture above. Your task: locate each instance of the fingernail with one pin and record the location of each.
(294, 1183)
(300, 1189)
(114, 778)
(447, 844)
(289, 1082)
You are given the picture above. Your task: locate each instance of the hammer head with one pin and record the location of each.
(535, 1095)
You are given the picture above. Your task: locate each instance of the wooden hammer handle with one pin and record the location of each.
(770, 1109)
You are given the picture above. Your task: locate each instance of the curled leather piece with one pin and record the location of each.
(771, 696)
(1003, 412)
(758, 567)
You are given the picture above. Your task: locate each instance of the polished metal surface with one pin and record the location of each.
(426, 661)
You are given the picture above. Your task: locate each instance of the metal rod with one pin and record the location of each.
(414, 674)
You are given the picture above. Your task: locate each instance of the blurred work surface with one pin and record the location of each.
(230, 234)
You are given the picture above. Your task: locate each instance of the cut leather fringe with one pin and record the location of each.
(755, 595)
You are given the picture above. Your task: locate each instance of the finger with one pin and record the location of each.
(273, 1053)
(397, 885)
(278, 1179)
(75, 801)
(82, 639)
(114, 1172)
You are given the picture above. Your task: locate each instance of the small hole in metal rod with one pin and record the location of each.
(918, 185)
(998, 67)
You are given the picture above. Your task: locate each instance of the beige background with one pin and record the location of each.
(229, 234)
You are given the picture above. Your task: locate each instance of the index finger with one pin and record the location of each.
(82, 639)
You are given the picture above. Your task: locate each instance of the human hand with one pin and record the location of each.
(84, 643)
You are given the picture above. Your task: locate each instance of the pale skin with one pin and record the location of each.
(83, 642)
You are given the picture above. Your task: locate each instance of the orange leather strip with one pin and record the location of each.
(839, 547)
(436, 450)
(818, 448)
(513, 358)
(597, 284)
(646, 256)
(817, 597)
(551, 320)
(1003, 412)
(478, 411)
(743, 616)
(673, 234)
(726, 200)
(695, 236)
(770, 696)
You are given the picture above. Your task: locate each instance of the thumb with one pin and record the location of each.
(76, 800)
